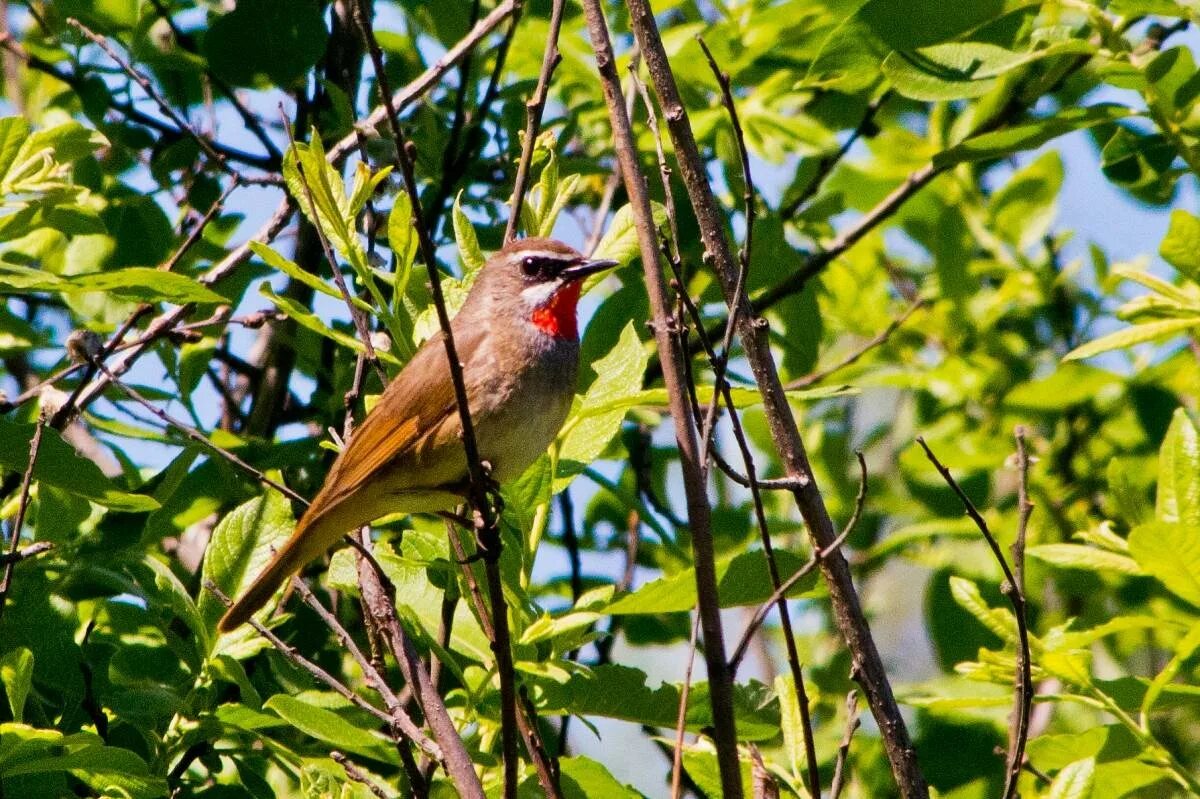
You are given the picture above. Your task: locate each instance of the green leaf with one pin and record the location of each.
(1186, 647)
(620, 242)
(13, 133)
(791, 724)
(472, 257)
(141, 284)
(742, 580)
(1178, 498)
(620, 692)
(401, 236)
(240, 547)
(266, 40)
(16, 670)
(998, 620)
(959, 70)
(59, 465)
(1024, 208)
(1076, 556)
(583, 778)
(171, 592)
(1137, 334)
(1030, 135)
(1171, 553)
(619, 376)
(1181, 246)
(1075, 781)
(327, 726)
(309, 320)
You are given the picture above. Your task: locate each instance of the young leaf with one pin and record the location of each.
(468, 243)
(240, 547)
(1138, 334)
(1178, 497)
(327, 726)
(1075, 781)
(1171, 553)
(16, 670)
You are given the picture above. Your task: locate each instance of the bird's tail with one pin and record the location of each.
(309, 541)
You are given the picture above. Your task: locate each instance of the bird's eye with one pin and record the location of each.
(531, 267)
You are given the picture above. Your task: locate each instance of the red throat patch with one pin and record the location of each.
(557, 317)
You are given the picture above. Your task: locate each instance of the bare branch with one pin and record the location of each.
(852, 724)
(699, 512)
(1013, 590)
(681, 717)
(781, 422)
(533, 118)
(356, 774)
(11, 558)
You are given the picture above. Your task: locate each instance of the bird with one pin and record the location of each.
(517, 338)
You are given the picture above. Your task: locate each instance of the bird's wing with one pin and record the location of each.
(416, 404)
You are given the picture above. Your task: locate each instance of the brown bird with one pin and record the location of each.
(518, 340)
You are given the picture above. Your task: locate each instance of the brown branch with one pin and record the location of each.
(852, 724)
(357, 775)
(377, 593)
(879, 338)
(533, 119)
(690, 457)
(11, 558)
(760, 615)
(148, 87)
(1013, 590)
(784, 431)
(681, 717)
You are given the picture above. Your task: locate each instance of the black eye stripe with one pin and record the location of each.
(534, 265)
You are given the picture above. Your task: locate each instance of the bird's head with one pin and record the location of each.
(540, 280)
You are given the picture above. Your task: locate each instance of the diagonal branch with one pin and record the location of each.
(1014, 590)
(690, 457)
(784, 431)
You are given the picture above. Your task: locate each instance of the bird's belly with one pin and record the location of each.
(516, 433)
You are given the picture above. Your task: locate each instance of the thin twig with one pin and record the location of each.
(681, 717)
(827, 164)
(252, 122)
(197, 436)
(293, 655)
(148, 87)
(721, 363)
(1013, 590)
(357, 775)
(533, 118)
(690, 457)
(852, 724)
(760, 615)
(876, 340)
(11, 559)
(400, 718)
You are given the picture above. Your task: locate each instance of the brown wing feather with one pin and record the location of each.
(417, 411)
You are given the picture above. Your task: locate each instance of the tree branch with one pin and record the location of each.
(782, 424)
(690, 457)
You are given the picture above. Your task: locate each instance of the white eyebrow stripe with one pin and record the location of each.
(547, 254)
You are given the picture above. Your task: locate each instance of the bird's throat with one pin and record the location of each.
(558, 317)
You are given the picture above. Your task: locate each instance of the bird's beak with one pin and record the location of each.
(583, 269)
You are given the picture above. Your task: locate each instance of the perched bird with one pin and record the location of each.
(518, 340)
